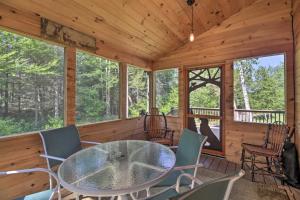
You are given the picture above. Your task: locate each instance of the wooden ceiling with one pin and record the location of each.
(148, 29)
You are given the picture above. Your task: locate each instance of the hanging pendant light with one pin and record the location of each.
(191, 3)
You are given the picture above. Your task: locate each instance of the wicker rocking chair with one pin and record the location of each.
(156, 128)
(271, 150)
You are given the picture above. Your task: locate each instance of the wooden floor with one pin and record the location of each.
(224, 166)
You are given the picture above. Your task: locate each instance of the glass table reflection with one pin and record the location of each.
(116, 168)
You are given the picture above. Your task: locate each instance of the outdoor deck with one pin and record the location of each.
(222, 165)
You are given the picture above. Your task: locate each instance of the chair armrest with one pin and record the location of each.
(156, 194)
(55, 190)
(89, 142)
(187, 167)
(187, 176)
(52, 157)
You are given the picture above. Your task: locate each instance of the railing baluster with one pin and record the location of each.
(256, 116)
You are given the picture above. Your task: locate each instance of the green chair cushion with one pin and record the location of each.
(187, 154)
(165, 195)
(215, 191)
(61, 142)
(43, 195)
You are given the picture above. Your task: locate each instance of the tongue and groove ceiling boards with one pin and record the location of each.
(148, 29)
(264, 27)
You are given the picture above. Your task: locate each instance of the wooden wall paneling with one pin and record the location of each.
(296, 15)
(88, 22)
(24, 22)
(235, 132)
(22, 151)
(258, 29)
(148, 29)
(112, 53)
(255, 31)
(28, 24)
(18, 153)
(111, 15)
(290, 87)
(70, 86)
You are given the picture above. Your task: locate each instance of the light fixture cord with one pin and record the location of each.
(192, 19)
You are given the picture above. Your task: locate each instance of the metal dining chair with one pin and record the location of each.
(61, 143)
(218, 189)
(43, 195)
(188, 154)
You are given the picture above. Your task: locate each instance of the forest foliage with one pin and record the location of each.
(32, 86)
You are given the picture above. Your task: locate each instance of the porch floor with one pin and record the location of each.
(224, 166)
(227, 167)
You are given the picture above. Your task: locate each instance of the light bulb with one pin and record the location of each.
(192, 37)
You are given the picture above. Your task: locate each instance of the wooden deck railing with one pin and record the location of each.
(259, 116)
(255, 116)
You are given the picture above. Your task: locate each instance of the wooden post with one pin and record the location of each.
(70, 86)
(152, 100)
(123, 91)
(182, 85)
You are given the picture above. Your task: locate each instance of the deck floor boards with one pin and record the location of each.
(224, 166)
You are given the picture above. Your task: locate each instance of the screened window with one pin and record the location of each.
(259, 89)
(166, 85)
(31, 84)
(97, 91)
(138, 91)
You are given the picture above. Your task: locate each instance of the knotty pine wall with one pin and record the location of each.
(263, 28)
(297, 69)
(22, 151)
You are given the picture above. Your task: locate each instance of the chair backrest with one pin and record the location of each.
(154, 123)
(189, 149)
(61, 142)
(51, 174)
(218, 189)
(276, 135)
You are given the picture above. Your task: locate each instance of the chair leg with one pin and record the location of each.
(243, 158)
(252, 167)
(268, 164)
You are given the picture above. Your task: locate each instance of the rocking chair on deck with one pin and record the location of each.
(271, 150)
(156, 128)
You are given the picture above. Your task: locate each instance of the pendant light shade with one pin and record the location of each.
(192, 37)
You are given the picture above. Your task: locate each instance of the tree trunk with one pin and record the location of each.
(245, 93)
(6, 96)
(236, 113)
(107, 89)
(36, 113)
(19, 92)
(56, 100)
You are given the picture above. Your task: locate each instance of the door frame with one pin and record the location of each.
(186, 115)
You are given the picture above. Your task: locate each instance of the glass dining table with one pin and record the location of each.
(116, 169)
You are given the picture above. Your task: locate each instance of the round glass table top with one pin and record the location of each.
(116, 168)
